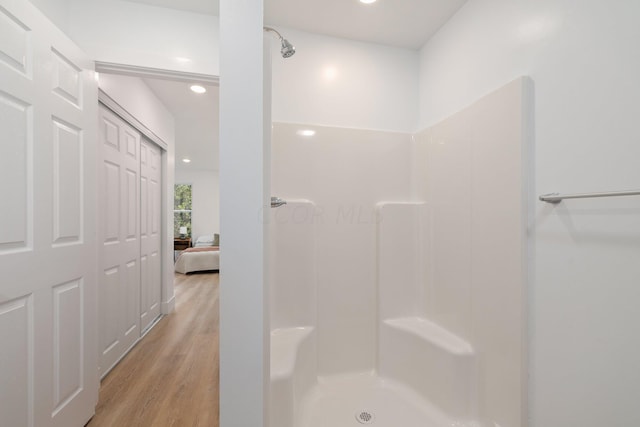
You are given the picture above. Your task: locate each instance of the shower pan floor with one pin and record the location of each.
(339, 402)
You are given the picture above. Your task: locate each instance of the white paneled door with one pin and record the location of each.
(48, 257)
(150, 237)
(119, 232)
(129, 215)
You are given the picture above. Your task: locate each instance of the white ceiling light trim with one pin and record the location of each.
(306, 132)
(186, 160)
(198, 89)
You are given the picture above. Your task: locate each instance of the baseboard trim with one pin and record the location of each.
(167, 307)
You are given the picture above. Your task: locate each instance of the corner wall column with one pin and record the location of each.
(244, 191)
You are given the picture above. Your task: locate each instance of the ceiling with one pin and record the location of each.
(401, 23)
(208, 7)
(197, 122)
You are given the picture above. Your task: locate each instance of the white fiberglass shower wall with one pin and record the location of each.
(399, 267)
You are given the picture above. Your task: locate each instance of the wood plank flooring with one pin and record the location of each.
(171, 378)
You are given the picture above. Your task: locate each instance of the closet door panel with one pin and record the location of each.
(150, 237)
(119, 232)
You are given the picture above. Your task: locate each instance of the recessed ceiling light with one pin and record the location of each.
(186, 160)
(306, 132)
(182, 59)
(198, 89)
(367, 1)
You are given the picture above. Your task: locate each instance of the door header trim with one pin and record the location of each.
(111, 104)
(156, 73)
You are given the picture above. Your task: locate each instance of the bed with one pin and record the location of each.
(204, 256)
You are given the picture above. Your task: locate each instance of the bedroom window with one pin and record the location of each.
(182, 209)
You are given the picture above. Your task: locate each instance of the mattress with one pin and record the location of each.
(198, 259)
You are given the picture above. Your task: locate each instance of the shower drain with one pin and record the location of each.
(365, 417)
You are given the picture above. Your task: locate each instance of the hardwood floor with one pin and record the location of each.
(170, 379)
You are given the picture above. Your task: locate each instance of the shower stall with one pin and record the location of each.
(399, 270)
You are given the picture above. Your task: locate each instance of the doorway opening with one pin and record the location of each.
(187, 132)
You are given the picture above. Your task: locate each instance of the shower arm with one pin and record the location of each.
(273, 30)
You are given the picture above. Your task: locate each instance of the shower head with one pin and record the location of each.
(287, 49)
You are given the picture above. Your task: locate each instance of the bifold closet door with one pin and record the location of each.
(119, 234)
(150, 236)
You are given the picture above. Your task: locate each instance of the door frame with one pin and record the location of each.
(168, 157)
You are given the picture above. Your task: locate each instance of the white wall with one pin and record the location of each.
(584, 296)
(56, 10)
(338, 82)
(139, 100)
(137, 34)
(205, 193)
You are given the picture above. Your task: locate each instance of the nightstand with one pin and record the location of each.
(181, 244)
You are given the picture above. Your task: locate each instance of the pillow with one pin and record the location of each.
(216, 239)
(205, 240)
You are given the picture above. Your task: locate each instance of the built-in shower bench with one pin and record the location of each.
(293, 370)
(285, 345)
(434, 362)
(432, 333)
